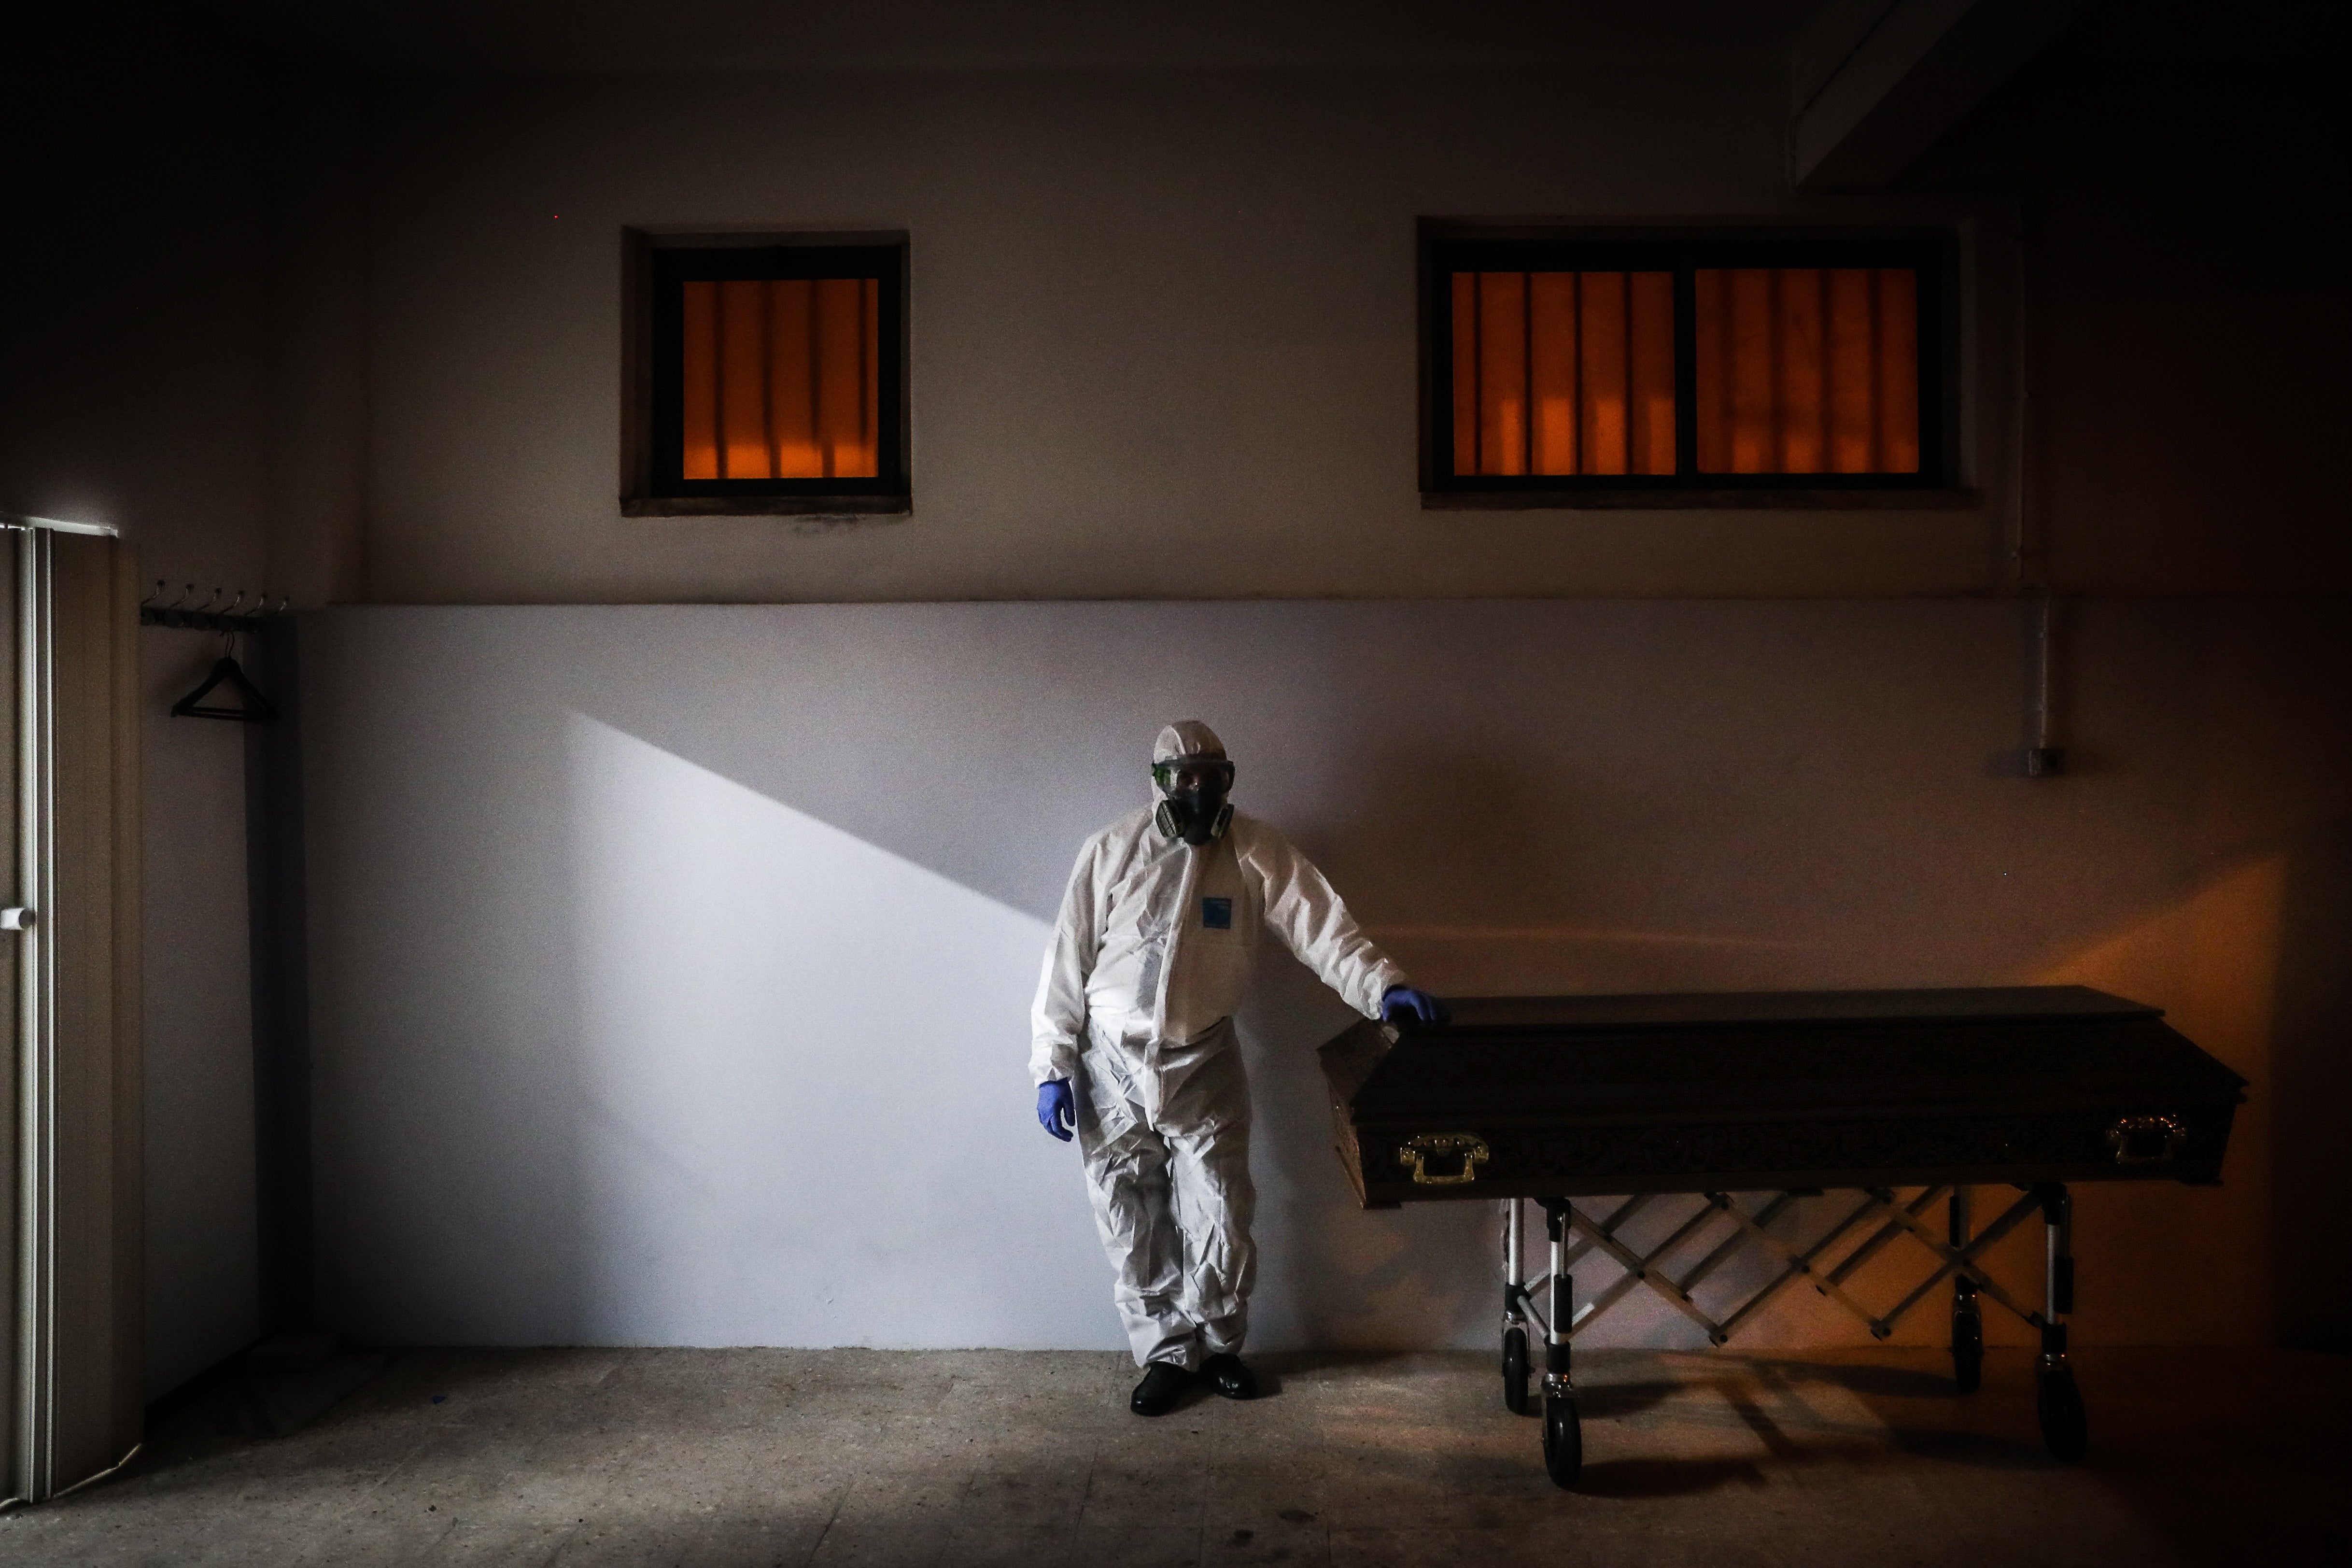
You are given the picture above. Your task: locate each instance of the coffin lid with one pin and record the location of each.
(1734, 1055)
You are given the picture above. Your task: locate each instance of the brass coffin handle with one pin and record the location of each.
(1467, 1147)
(2146, 1139)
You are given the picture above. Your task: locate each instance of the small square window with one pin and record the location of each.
(767, 375)
(1559, 364)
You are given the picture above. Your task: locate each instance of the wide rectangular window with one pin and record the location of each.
(773, 376)
(1562, 364)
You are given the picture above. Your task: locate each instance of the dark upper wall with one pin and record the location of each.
(514, 35)
(133, 357)
(1163, 320)
(1164, 326)
(2188, 219)
(1163, 329)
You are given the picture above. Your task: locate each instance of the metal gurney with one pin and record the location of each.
(1907, 1100)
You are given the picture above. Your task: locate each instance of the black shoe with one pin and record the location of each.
(1229, 1377)
(1156, 1395)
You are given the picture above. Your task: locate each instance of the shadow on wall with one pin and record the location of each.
(2311, 1090)
(675, 962)
(2210, 959)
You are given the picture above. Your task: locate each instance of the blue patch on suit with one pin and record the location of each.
(1217, 914)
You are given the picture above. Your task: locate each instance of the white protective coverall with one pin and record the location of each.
(1150, 956)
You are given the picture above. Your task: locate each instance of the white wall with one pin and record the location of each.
(672, 963)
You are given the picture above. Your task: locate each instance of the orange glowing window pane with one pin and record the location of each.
(1563, 373)
(1808, 370)
(781, 379)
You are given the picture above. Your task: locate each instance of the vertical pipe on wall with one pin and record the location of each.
(2021, 395)
(2040, 738)
(2039, 757)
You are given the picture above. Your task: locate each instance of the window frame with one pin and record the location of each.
(655, 266)
(1450, 245)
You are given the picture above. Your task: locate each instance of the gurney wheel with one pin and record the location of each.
(1563, 1440)
(1514, 1370)
(2064, 1425)
(1967, 1348)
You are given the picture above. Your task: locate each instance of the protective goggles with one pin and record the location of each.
(1192, 772)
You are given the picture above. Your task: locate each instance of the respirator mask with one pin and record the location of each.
(1192, 798)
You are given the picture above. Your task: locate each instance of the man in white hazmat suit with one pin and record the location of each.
(1134, 1048)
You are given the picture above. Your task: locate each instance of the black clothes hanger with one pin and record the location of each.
(256, 708)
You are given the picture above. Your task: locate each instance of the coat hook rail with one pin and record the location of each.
(220, 611)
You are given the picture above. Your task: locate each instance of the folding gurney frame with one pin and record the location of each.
(1958, 1253)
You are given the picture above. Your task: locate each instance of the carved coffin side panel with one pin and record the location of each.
(1567, 1161)
(1569, 1096)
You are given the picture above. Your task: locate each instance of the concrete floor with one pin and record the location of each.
(829, 1458)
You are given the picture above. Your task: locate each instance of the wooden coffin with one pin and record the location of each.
(1576, 1096)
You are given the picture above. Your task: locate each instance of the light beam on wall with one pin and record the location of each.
(794, 1047)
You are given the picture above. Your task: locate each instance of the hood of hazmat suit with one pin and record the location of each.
(1186, 738)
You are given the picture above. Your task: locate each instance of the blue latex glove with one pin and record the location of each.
(1400, 1002)
(1057, 1113)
